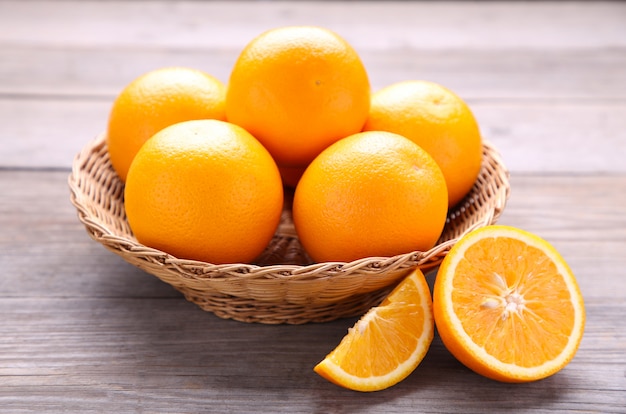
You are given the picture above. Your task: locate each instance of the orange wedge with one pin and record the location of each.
(387, 343)
(507, 305)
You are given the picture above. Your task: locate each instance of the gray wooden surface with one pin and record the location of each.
(82, 331)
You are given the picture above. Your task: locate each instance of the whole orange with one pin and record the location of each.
(298, 89)
(155, 100)
(204, 190)
(371, 194)
(437, 120)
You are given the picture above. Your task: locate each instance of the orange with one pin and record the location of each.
(388, 343)
(507, 305)
(204, 190)
(155, 100)
(370, 194)
(298, 89)
(437, 120)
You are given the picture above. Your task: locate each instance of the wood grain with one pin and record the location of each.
(367, 25)
(585, 75)
(83, 331)
(133, 355)
(82, 328)
(581, 215)
(523, 91)
(48, 132)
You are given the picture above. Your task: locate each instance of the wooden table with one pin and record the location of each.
(83, 331)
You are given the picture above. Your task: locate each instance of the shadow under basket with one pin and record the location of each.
(283, 285)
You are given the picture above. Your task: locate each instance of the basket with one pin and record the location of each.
(283, 285)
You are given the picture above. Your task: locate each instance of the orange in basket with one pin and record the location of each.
(156, 100)
(204, 190)
(439, 121)
(371, 194)
(282, 285)
(298, 89)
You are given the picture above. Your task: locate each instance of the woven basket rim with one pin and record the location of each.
(273, 293)
(423, 259)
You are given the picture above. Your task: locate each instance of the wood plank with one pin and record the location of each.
(581, 216)
(543, 137)
(76, 83)
(46, 252)
(160, 355)
(504, 74)
(367, 25)
(83, 331)
(47, 133)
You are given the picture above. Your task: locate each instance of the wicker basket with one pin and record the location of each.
(284, 285)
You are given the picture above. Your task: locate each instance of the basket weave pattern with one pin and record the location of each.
(283, 285)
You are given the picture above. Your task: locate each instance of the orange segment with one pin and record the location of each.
(507, 305)
(387, 343)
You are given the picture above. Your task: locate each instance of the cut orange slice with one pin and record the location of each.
(507, 305)
(387, 343)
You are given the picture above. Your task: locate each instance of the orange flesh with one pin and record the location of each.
(510, 299)
(389, 343)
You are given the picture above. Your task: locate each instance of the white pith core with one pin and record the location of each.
(509, 299)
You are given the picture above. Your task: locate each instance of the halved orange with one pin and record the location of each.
(387, 343)
(507, 305)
